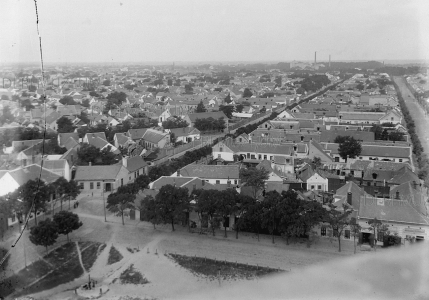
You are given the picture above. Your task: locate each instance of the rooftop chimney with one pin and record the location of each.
(329, 60)
(178, 173)
(315, 60)
(349, 198)
(203, 182)
(125, 161)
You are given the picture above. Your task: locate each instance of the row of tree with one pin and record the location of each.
(47, 231)
(210, 124)
(33, 196)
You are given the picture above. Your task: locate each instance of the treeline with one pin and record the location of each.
(422, 159)
(399, 71)
(313, 83)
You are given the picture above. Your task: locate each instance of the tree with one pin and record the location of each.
(360, 86)
(188, 89)
(316, 162)
(72, 190)
(247, 93)
(59, 186)
(378, 228)
(175, 123)
(355, 230)
(207, 204)
(349, 147)
(171, 202)
(226, 204)
(142, 182)
(338, 220)
(91, 154)
(227, 110)
(378, 130)
(117, 203)
(290, 209)
(241, 207)
(255, 179)
(396, 136)
(271, 213)
(7, 116)
(65, 125)
(66, 222)
(33, 194)
(227, 99)
(200, 107)
(45, 234)
(239, 108)
(67, 100)
(149, 210)
(106, 82)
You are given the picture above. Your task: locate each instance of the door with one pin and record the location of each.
(108, 187)
(132, 214)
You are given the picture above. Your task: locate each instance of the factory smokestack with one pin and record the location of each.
(315, 61)
(329, 60)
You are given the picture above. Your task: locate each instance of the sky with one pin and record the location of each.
(213, 31)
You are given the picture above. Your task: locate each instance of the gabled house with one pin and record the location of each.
(213, 174)
(97, 140)
(101, 178)
(186, 134)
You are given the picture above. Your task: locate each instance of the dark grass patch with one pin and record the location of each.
(114, 256)
(67, 272)
(3, 253)
(131, 276)
(59, 266)
(89, 253)
(24, 277)
(210, 268)
(62, 254)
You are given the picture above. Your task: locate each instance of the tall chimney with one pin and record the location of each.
(329, 60)
(349, 198)
(315, 60)
(125, 162)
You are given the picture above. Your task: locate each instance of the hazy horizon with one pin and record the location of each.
(190, 31)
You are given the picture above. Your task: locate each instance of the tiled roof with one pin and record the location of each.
(211, 171)
(372, 150)
(349, 187)
(357, 116)
(356, 164)
(137, 133)
(330, 135)
(184, 131)
(413, 194)
(389, 210)
(205, 115)
(54, 164)
(108, 172)
(96, 134)
(135, 163)
(282, 149)
(121, 138)
(63, 137)
(153, 136)
(32, 172)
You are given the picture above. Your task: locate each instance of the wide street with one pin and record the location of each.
(416, 111)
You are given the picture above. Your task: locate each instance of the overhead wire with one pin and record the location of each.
(43, 96)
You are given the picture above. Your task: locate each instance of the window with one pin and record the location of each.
(319, 187)
(352, 172)
(98, 185)
(240, 139)
(368, 183)
(91, 185)
(235, 181)
(271, 157)
(347, 234)
(391, 119)
(312, 187)
(337, 159)
(253, 156)
(218, 156)
(217, 181)
(335, 233)
(259, 156)
(360, 157)
(265, 157)
(220, 149)
(323, 231)
(81, 185)
(400, 160)
(122, 181)
(13, 218)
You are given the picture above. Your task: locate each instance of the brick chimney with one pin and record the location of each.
(178, 173)
(349, 198)
(125, 161)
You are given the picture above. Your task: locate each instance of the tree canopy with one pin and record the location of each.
(65, 125)
(45, 234)
(200, 107)
(254, 178)
(66, 222)
(348, 147)
(172, 201)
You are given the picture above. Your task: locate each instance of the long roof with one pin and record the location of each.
(108, 172)
(32, 172)
(211, 171)
(205, 115)
(283, 149)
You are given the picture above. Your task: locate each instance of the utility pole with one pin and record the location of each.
(104, 205)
